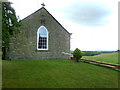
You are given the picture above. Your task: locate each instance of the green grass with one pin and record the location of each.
(57, 74)
(0, 70)
(107, 57)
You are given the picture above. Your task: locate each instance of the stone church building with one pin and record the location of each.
(41, 37)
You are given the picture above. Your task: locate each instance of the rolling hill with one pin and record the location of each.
(106, 57)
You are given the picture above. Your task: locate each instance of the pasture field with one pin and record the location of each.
(106, 57)
(57, 74)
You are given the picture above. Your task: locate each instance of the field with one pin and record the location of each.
(106, 57)
(57, 74)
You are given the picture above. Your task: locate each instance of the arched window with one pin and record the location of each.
(42, 38)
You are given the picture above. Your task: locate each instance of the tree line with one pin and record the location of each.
(92, 53)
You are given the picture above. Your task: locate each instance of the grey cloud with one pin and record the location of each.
(88, 13)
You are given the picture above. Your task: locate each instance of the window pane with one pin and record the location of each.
(43, 32)
(43, 35)
(42, 44)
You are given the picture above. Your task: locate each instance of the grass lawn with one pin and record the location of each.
(107, 57)
(0, 70)
(57, 74)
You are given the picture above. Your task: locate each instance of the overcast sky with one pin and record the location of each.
(94, 23)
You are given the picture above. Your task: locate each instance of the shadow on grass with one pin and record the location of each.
(96, 64)
(113, 68)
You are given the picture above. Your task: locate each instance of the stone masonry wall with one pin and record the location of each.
(24, 46)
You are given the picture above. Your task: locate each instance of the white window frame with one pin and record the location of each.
(38, 38)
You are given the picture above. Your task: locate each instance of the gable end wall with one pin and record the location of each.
(24, 46)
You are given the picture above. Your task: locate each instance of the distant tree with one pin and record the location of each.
(118, 50)
(90, 53)
(77, 54)
(9, 25)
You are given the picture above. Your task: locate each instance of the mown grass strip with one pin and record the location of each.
(57, 74)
